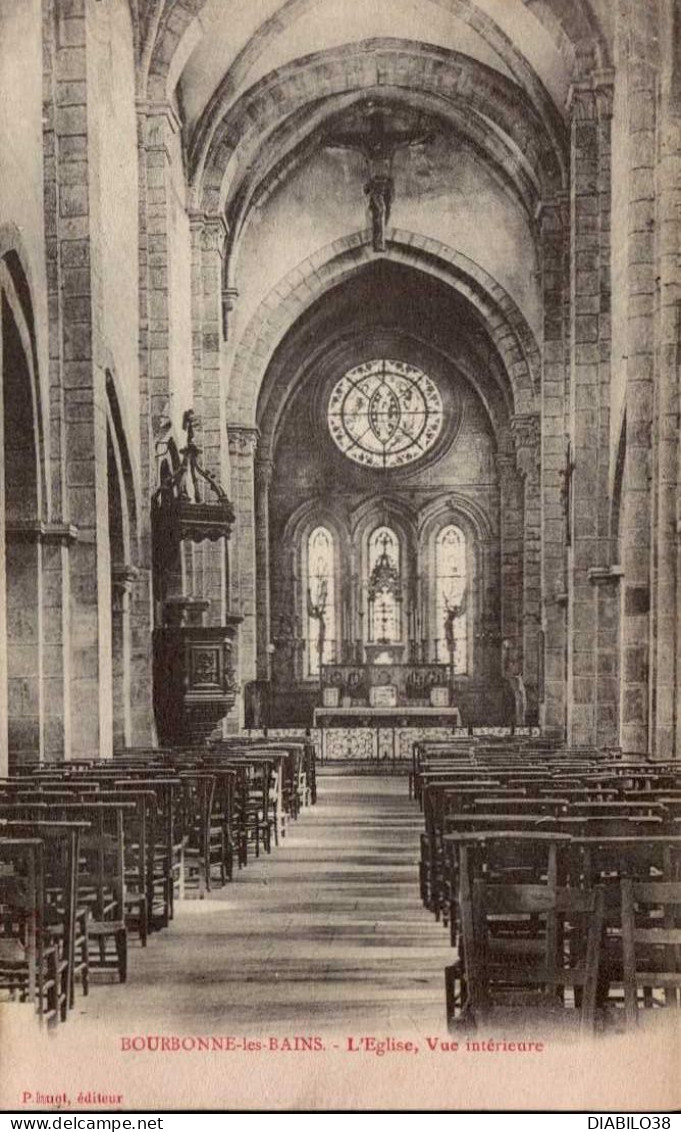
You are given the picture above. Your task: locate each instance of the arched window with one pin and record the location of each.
(451, 598)
(321, 599)
(384, 587)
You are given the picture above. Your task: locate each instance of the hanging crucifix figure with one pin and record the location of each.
(378, 140)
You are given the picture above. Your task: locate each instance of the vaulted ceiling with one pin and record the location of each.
(269, 92)
(253, 80)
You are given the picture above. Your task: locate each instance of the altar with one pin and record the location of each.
(380, 734)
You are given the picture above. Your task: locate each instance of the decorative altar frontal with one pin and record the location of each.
(380, 734)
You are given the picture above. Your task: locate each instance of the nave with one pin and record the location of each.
(326, 934)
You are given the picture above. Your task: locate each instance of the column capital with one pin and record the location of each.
(591, 99)
(210, 228)
(553, 213)
(242, 440)
(506, 464)
(163, 111)
(605, 575)
(36, 530)
(123, 578)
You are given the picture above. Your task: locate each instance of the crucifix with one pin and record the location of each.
(378, 140)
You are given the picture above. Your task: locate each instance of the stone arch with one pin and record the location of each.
(23, 516)
(481, 369)
(237, 136)
(302, 133)
(386, 508)
(450, 505)
(293, 10)
(455, 508)
(289, 593)
(571, 24)
(16, 283)
(123, 534)
(617, 490)
(506, 325)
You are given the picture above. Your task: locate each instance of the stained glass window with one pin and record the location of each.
(450, 581)
(321, 600)
(384, 414)
(384, 587)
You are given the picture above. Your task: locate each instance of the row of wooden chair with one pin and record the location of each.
(558, 875)
(91, 851)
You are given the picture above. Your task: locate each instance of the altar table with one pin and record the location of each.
(380, 734)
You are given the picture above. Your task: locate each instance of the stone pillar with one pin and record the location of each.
(208, 240)
(77, 385)
(527, 436)
(142, 723)
(263, 478)
(637, 47)
(666, 735)
(24, 613)
(511, 522)
(606, 582)
(586, 485)
(243, 442)
(156, 125)
(123, 578)
(56, 539)
(554, 246)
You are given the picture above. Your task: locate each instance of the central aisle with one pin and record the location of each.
(326, 933)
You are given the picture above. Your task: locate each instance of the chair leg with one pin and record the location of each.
(122, 953)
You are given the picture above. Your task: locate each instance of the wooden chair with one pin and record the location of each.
(525, 946)
(101, 881)
(651, 945)
(29, 960)
(204, 842)
(65, 921)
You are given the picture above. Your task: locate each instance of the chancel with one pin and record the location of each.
(339, 511)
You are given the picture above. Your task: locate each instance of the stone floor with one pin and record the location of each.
(328, 933)
(325, 939)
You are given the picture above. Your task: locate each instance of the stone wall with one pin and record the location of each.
(168, 240)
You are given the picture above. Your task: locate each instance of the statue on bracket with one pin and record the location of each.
(316, 611)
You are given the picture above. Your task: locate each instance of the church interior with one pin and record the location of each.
(340, 503)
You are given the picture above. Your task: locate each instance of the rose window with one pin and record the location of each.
(384, 414)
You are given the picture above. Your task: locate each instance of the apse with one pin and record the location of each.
(394, 514)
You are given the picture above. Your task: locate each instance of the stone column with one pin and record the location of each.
(553, 239)
(606, 582)
(77, 384)
(56, 540)
(527, 436)
(123, 578)
(243, 442)
(208, 241)
(586, 485)
(263, 478)
(156, 125)
(637, 47)
(25, 687)
(667, 734)
(142, 723)
(511, 522)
